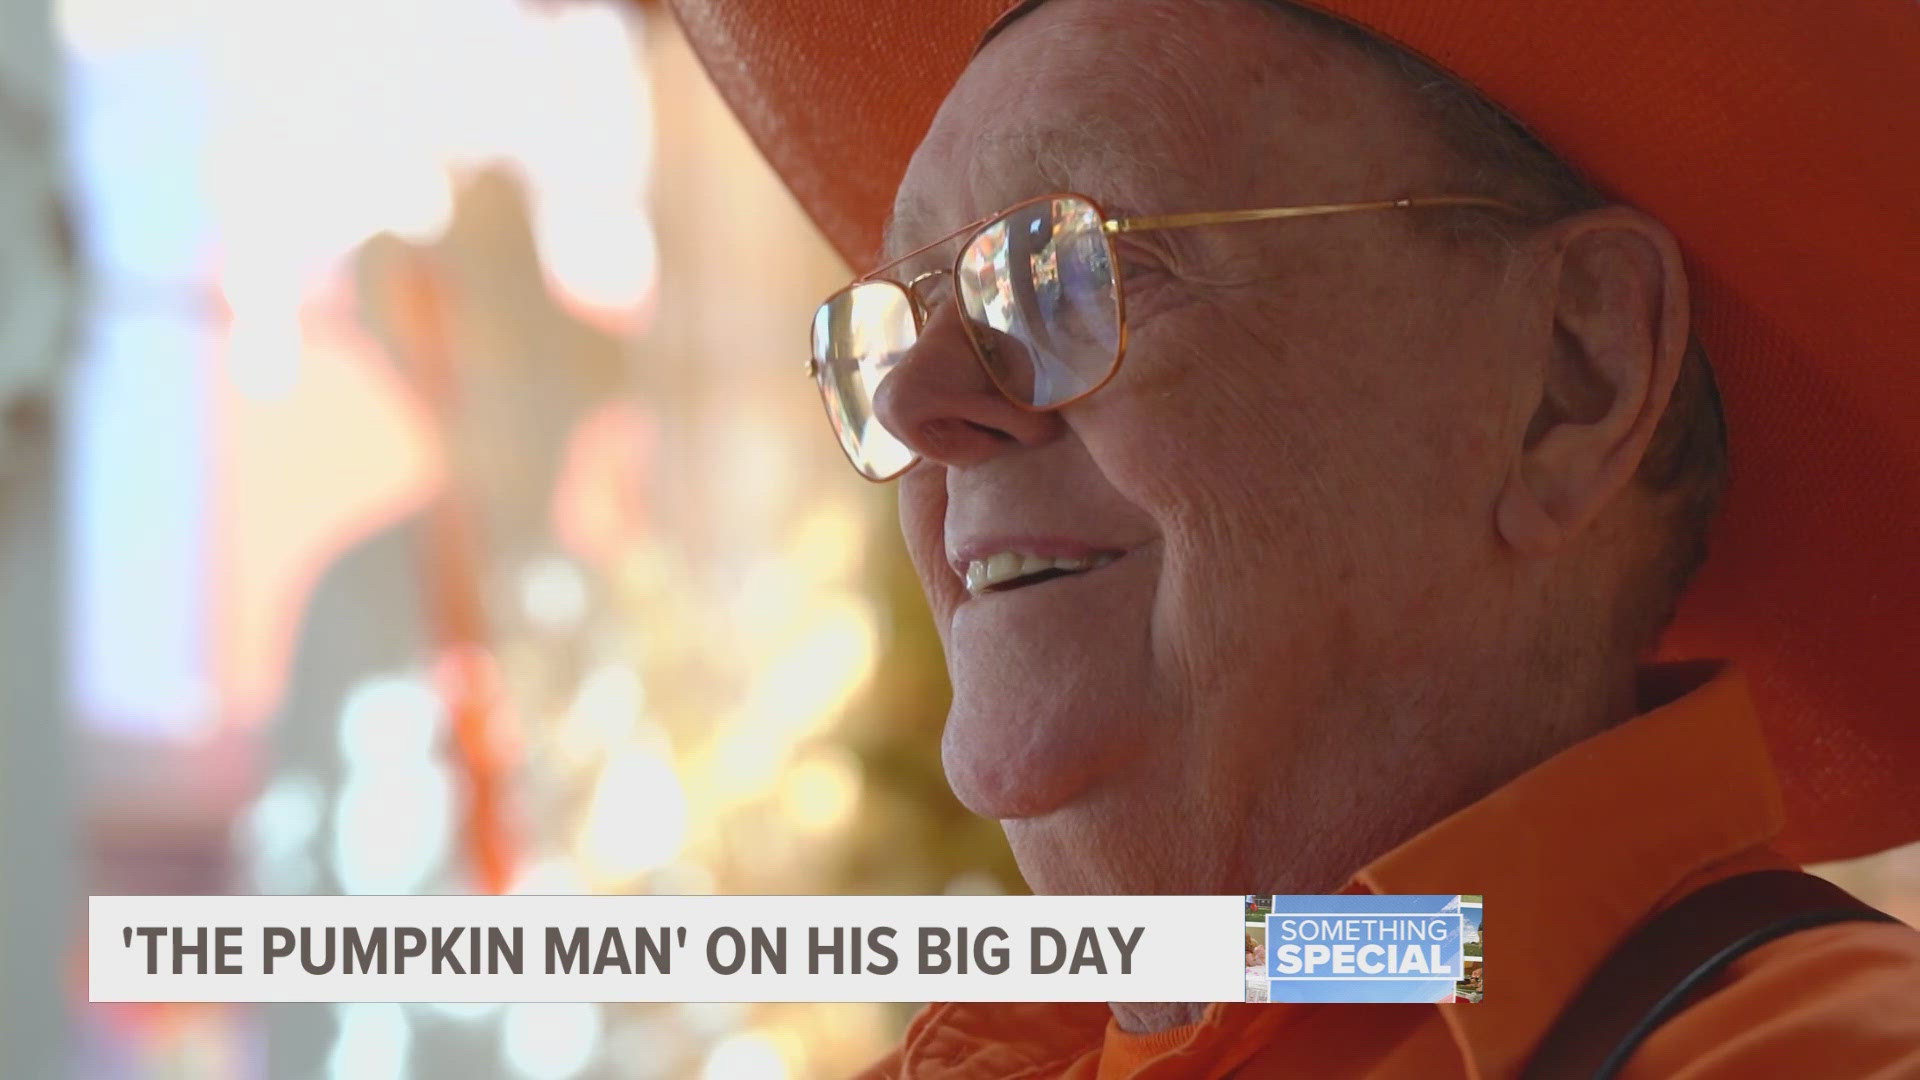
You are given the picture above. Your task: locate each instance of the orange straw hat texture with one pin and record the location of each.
(1780, 141)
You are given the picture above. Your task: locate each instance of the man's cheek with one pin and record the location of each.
(1144, 450)
(923, 511)
(923, 506)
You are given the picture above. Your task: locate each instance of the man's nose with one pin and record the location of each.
(939, 401)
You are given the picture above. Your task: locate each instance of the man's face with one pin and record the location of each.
(1295, 465)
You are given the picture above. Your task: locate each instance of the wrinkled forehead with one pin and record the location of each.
(1159, 106)
(1064, 102)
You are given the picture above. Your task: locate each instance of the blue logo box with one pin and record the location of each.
(1365, 948)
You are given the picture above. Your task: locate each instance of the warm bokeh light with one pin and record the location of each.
(372, 1044)
(637, 818)
(553, 593)
(450, 515)
(463, 1012)
(550, 875)
(598, 508)
(608, 709)
(815, 672)
(390, 720)
(494, 568)
(278, 833)
(293, 494)
(391, 827)
(820, 792)
(550, 1040)
(749, 1054)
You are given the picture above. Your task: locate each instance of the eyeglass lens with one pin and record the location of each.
(1041, 306)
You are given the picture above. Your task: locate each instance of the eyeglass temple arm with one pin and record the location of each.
(1115, 226)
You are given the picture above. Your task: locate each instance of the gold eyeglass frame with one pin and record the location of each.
(1110, 227)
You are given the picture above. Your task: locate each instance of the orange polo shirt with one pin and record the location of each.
(1570, 855)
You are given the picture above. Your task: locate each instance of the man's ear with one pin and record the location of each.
(1619, 331)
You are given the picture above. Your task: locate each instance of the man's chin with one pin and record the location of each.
(997, 780)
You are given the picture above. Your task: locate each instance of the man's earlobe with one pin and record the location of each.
(1522, 520)
(1619, 332)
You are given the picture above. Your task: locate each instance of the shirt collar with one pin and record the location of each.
(1570, 855)
(1576, 851)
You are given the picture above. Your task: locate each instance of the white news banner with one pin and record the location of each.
(666, 948)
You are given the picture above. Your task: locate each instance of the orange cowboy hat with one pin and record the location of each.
(1776, 140)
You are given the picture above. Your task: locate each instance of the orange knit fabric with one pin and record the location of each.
(1123, 1054)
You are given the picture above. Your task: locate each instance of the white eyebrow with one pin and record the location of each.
(1047, 153)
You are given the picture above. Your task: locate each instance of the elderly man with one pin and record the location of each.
(1302, 463)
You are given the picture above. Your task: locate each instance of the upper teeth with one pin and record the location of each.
(983, 574)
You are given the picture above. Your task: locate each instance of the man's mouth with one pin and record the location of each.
(1008, 570)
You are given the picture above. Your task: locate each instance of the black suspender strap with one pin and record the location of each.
(1656, 972)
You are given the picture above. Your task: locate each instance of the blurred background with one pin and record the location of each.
(411, 484)
(408, 483)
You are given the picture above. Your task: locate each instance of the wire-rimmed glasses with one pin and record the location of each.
(1039, 299)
